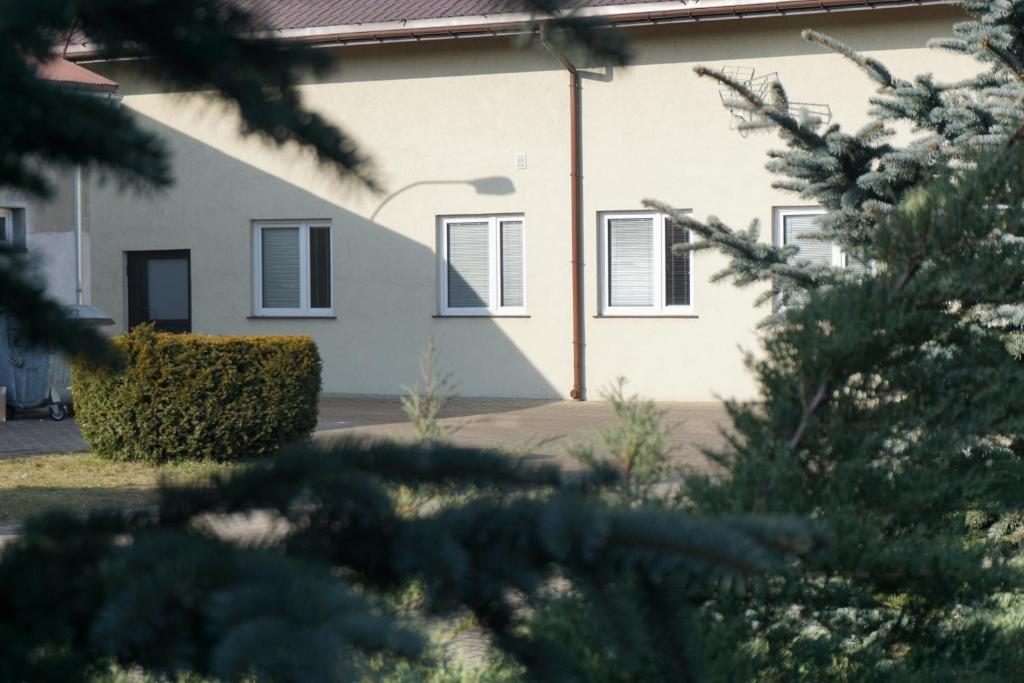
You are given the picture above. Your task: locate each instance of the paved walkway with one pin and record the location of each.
(537, 427)
(34, 433)
(528, 426)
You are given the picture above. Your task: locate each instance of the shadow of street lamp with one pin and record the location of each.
(492, 185)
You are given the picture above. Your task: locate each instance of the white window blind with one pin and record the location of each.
(482, 265)
(631, 261)
(282, 272)
(800, 230)
(512, 263)
(469, 276)
(292, 268)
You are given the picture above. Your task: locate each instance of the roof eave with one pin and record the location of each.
(654, 13)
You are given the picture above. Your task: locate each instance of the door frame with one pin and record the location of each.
(135, 316)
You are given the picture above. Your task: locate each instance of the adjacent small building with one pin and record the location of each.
(55, 233)
(512, 229)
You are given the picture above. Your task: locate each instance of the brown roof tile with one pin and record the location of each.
(285, 14)
(62, 71)
(384, 20)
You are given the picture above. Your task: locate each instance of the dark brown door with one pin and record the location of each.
(160, 289)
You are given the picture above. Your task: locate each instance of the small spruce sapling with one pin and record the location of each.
(637, 445)
(423, 402)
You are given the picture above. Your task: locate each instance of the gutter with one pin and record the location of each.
(687, 13)
(578, 391)
(622, 16)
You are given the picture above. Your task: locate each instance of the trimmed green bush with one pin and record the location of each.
(198, 397)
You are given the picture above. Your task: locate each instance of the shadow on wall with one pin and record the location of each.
(384, 284)
(495, 186)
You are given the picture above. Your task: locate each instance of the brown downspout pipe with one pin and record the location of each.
(578, 391)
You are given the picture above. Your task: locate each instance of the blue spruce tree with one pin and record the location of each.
(891, 399)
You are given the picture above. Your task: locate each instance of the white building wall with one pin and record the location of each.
(437, 114)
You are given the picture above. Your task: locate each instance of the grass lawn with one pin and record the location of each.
(81, 482)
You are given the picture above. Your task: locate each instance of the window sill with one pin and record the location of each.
(651, 316)
(291, 317)
(489, 316)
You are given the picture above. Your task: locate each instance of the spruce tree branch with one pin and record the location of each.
(782, 119)
(67, 39)
(679, 668)
(684, 548)
(42, 320)
(433, 462)
(872, 67)
(1004, 57)
(809, 411)
(93, 133)
(906, 276)
(751, 260)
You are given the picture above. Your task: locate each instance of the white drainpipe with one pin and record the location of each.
(76, 188)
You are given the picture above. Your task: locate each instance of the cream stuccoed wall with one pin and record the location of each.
(436, 115)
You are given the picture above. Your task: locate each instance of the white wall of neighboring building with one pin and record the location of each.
(437, 114)
(49, 238)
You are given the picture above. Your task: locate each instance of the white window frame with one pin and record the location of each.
(781, 213)
(8, 239)
(304, 309)
(840, 258)
(494, 309)
(660, 308)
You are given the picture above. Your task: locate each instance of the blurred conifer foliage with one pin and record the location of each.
(891, 396)
(308, 596)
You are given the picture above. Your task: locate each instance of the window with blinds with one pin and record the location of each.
(801, 228)
(292, 268)
(482, 265)
(644, 270)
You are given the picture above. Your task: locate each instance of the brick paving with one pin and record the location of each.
(545, 428)
(34, 433)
